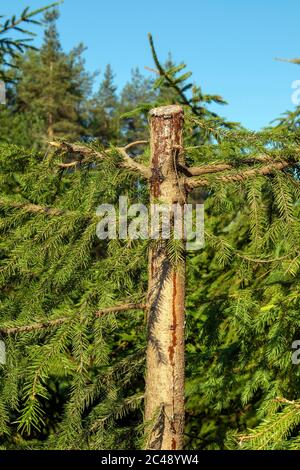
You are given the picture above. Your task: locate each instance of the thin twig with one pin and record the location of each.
(151, 70)
(286, 402)
(134, 144)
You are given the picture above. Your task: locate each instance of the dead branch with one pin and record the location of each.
(131, 164)
(89, 153)
(134, 144)
(76, 148)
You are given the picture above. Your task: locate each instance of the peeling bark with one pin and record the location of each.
(164, 397)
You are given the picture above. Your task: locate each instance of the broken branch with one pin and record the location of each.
(89, 153)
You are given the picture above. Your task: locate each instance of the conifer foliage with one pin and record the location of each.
(9, 47)
(73, 307)
(60, 85)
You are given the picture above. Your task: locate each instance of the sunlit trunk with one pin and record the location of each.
(164, 399)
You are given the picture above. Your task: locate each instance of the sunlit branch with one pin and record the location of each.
(60, 321)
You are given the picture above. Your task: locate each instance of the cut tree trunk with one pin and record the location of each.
(164, 396)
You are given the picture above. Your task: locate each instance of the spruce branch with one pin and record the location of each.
(10, 48)
(129, 163)
(59, 321)
(32, 208)
(240, 176)
(287, 402)
(263, 261)
(162, 72)
(176, 79)
(75, 148)
(223, 166)
(36, 209)
(26, 16)
(273, 430)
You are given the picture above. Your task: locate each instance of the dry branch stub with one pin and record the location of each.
(164, 397)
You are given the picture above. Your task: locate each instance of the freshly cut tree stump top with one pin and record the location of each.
(166, 111)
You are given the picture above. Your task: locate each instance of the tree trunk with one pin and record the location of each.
(164, 397)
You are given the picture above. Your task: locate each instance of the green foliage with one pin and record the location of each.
(290, 120)
(104, 110)
(74, 376)
(11, 48)
(60, 85)
(169, 78)
(65, 271)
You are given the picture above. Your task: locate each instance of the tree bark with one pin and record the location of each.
(164, 396)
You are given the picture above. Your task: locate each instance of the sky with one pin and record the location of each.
(229, 45)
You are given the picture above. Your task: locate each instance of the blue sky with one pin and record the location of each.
(230, 45)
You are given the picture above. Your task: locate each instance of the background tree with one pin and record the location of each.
(105, 110)
(12, 47)
(53, 85)
(14, 127)
(136, 93)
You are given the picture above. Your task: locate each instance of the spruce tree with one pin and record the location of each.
(72, 305)
(53, 86)
(15, 127)
(104, 110)
(138, 94)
